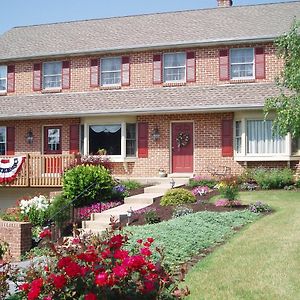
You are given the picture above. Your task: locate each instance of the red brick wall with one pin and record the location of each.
(17, 235)
(23, 126)
(207, 69)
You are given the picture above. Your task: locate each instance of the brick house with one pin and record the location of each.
(182, 91)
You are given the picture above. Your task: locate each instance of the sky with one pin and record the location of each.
(29, 12)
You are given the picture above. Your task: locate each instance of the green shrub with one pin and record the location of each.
(76, 180)
(273, 178)
(181, 211)
(177, 196)
(297, 183)
(131, 184)
(202, 181)
(60, 210)
(151, 217)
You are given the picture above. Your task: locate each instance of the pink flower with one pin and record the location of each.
(120, 254)
(101, 279)
(90, 296)
(120, 271)
(145, 251)
(150, 240)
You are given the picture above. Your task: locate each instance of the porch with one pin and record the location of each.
(40, 170)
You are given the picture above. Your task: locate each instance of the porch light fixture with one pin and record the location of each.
(155, 134)
(29, 137)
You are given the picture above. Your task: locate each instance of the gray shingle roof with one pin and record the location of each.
(135, 102)
(195, 27)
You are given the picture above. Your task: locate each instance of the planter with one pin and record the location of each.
(162, 173)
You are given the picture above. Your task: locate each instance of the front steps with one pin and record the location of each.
(100, 221)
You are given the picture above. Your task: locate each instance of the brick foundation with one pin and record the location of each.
(18, 236)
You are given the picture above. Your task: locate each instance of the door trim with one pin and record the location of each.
(170, 143)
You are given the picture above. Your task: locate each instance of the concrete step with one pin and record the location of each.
(97, 225)
(161, 188)
(146, 199)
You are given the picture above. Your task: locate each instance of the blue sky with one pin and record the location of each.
(28, 12)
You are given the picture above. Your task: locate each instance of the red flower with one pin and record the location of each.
(106, 253)
(116, 241)
(90, 296)
(145, 251)
(73, 269)
(63, 262)
(101, 279)
(24, 287)
(139, 241)
(148, 287)
(120, 254)
(147, 244)
(35, 289)
(45, 233)
(120, 271)
(59, 281)
(150, 240)
(134, 262)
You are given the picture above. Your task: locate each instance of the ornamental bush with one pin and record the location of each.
(94, 268)
(77, 180)
(177, 196)
(202, 181)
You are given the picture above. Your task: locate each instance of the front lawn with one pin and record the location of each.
(184, 237)
(260, 262)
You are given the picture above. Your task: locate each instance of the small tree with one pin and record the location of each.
(287, 105)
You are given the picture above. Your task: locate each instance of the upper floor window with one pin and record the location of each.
(3, 78)
(52, 75)
(242, 63)
(2, 140)
(110, 71)
(174, 67)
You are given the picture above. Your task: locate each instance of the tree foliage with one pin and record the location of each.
(287, 105)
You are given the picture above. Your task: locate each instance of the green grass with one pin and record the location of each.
(131, 184)
(260, 262)
(183, 237)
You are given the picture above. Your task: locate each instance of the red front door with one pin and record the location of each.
(182, 147)
(52, 145)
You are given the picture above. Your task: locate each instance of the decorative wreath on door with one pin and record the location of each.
(182, 139)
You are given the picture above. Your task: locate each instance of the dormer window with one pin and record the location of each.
(174, 65)
(242, 63)
(3, 78)
(110, 71)
(52, 75)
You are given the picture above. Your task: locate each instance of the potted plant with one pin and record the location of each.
(102, 151)
(162, 172)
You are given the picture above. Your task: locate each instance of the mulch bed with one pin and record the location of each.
(165, 212)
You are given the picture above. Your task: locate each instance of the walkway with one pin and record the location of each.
(100, 221)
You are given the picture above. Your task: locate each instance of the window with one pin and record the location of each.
(110, 71)
(3, 78)
(296, 145)
(242, 63)
(106, 137)
(53, 140)
(261, 138)
(2, 140)
(174, 67)
(238, 137)
(52, 75)
(130, 140)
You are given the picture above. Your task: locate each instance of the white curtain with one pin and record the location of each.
(261, 139)
(106, 128)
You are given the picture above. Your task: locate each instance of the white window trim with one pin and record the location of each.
(113, 158)
(43, 79)
(164, 67)
(4, 91)
(115, 71)
(244, 156)
(253, 65)
(5, 141)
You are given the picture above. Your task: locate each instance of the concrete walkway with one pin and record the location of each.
(100, 221)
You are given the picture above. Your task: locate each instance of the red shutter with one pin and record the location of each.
(227, 138)
(260, 63)
(190, 67)
(94, 72)
(10, 141)
(157, 69)
(66, 74)
(11, 78)
(37, 77)
(224, 64)
(125, 70)
(142, 140)
(74, 139)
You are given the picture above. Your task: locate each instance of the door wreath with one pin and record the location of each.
(182, 139)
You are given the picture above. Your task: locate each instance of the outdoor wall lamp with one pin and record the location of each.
(29, 137)
(155, 134)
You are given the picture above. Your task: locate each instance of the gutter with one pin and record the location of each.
(131, 112)
(159, 46)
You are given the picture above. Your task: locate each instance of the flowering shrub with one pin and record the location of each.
(200, 190)
(35, 210)
(119, 191)
(96, 268)
(228, 189)
(228, 203)
(202, 180)
(259, 206)
(86, 211)
(151, 216)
